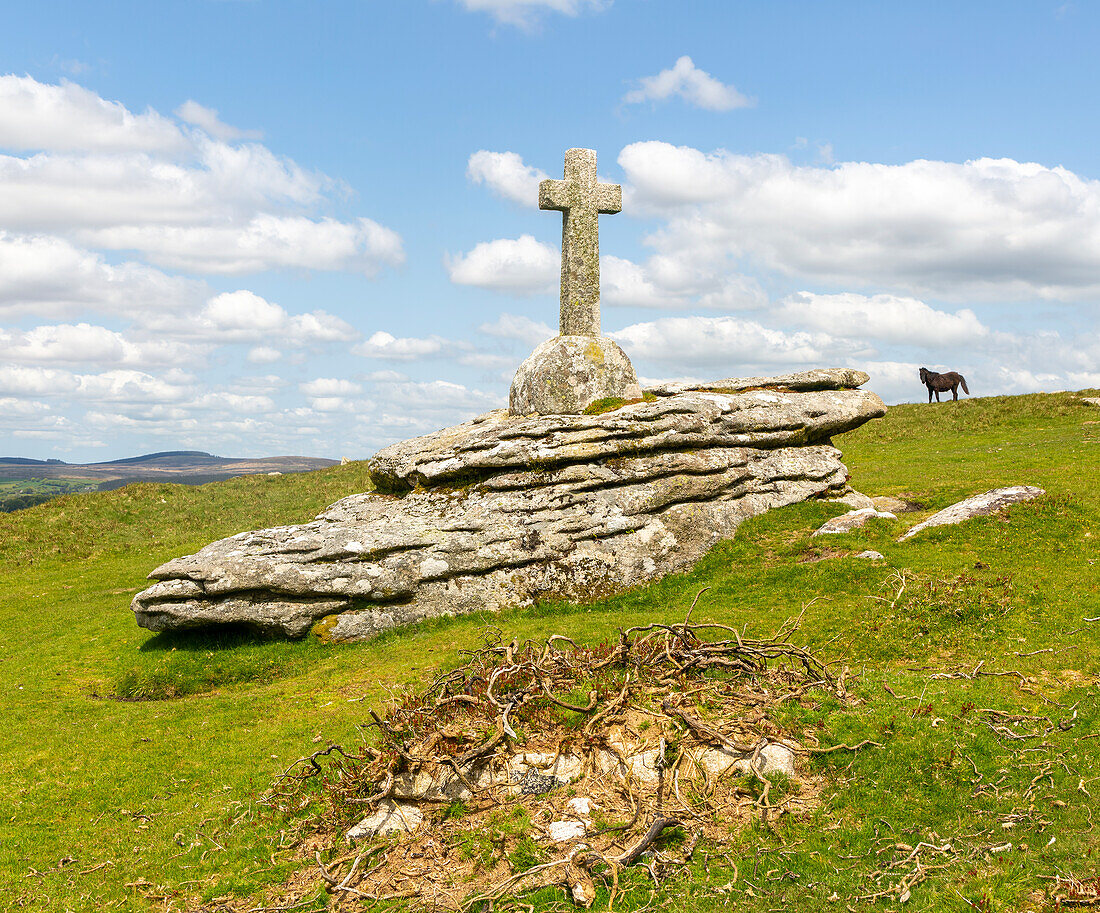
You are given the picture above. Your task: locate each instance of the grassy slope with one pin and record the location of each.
(152, 799)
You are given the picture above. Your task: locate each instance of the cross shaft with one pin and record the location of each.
(581, 199)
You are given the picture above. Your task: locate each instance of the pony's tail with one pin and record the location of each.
(966, 389)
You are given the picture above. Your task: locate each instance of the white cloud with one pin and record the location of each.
(726, 344)
(695, 86)
(329, 386)
(265, 242)
(506, 175)
(49, 277)
(522, 266)
(514, 326)
(264, 355)
(110, 386)
(207, 119)
(86, 344)
(106, 178)
(982, 228)
(526, 13)
(882, 318)
(385, 345)
(65, 117)
(243, 316)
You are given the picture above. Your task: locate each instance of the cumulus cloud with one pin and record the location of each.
(50, 277)
(385, 345)
(263, 355)
(522, 266)
(725, 343)
(207, 119)
(988, 227)
(526, 13)
(187, 199)
(243, 316)
(85, 344)
(515, 326)
(695, 86)
(68, 117)
(265, 242)
(506, 175)
(883, 318)
(330, 386)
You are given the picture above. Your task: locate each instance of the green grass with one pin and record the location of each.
(113, 800)
(17, 494)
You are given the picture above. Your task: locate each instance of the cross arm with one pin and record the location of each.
(608, 198)
(554, 195)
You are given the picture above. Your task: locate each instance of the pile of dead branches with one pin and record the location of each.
(538, 764)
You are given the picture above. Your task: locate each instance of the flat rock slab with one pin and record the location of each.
(977, 506)
(1091, 400)
(854, 519)
(801, 381)
(502, 511)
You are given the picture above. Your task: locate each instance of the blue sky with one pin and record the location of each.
(257, 227)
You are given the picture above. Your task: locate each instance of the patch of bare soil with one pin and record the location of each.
(556, 764)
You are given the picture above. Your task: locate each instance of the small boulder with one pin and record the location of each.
(564, 831)
(389, 818)
(977, 506)
(872, 555)
(855, 500)
(1091, 400)
(566, 374)
(854, 519)
(894, 505)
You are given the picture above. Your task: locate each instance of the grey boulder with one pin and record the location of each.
(566, 374)
(854, 519)
(977, 506)
(502, 511)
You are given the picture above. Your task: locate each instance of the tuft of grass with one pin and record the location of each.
(611, 403)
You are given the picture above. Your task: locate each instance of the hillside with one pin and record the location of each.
(25, 482)
(134, 764)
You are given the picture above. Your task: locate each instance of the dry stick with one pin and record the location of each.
(701, 728)
(692, 609)
(592, 699)
(658, 825)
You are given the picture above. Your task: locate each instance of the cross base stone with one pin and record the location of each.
(566, 374)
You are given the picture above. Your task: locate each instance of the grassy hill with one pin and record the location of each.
(112, 802)
(25, 482)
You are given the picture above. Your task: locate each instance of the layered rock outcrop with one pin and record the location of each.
(504, 510)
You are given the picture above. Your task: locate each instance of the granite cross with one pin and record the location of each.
(581, 199)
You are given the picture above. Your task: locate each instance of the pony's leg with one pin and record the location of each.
(955, 392)
(929, 394)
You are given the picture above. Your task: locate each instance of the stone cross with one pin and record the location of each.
(580, 199)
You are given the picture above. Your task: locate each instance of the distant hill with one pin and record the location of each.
(183, 467)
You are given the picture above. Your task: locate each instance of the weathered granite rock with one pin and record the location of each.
(501, 511)
(895, 505)
(566, 374)
(1091, 400)
(977, 506)
(855, 500)
(871, 555)
(800, 382)
(854, 519)
(389, 818)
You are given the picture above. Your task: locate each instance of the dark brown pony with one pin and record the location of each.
(941, 383)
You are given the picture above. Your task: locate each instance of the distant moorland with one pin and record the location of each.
(25, 482)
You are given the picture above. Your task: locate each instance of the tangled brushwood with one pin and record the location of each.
(556, 764)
